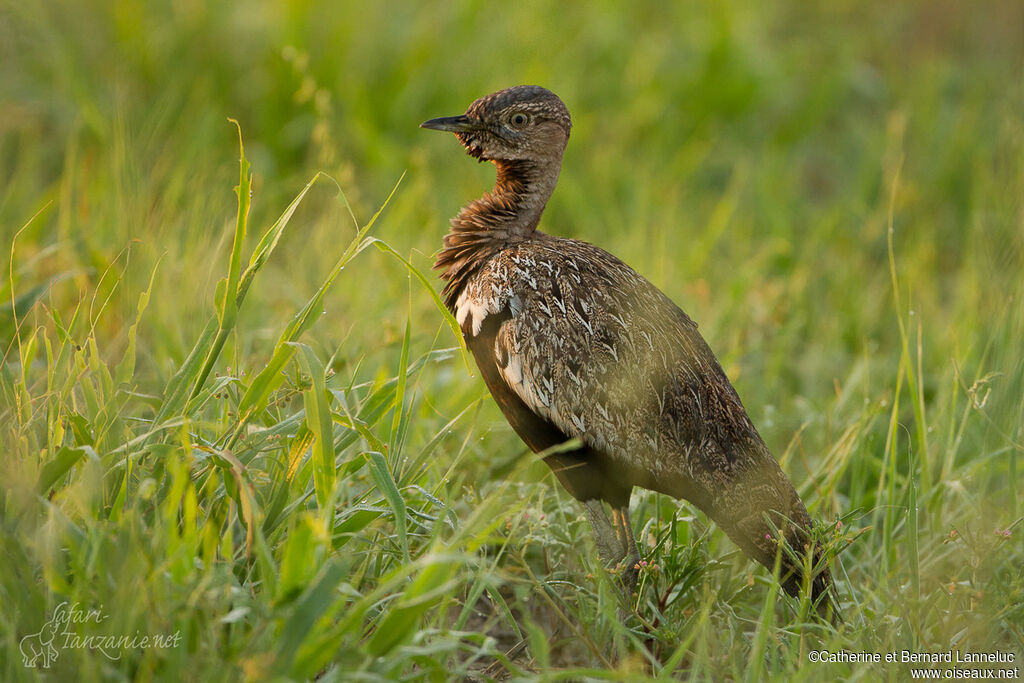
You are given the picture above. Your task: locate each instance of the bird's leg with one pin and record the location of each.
(609, 547)
(627, 543)
(615, 544)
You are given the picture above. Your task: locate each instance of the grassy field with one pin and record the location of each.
(243, 442)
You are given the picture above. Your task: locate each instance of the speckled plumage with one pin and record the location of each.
(572, 342)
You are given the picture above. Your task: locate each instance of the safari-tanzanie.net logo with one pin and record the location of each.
(57, 634)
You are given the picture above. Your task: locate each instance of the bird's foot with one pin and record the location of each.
(616, 547)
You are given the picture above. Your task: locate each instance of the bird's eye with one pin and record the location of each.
(519, 119)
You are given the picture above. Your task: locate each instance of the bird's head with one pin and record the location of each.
(526, 122)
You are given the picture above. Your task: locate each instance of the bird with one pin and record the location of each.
(573, 344)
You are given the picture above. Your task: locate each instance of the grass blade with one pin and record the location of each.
(425, 591)
(318, 420)
(386, 483)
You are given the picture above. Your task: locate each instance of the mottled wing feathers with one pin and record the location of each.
(596, 350)
(577, 470)
(574, 343)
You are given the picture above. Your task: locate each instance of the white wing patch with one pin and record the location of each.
(527, 387)
(472, 307)
(468, 306)
(513, 372)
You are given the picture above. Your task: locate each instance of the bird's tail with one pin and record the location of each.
(769, 521)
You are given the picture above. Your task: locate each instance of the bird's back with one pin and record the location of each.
(599, 353)
(603, 354)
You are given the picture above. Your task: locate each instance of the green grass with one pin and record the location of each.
(834, 191)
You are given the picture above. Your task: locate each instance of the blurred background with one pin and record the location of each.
(805, 179)
(742, 157)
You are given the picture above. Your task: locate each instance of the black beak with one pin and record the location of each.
(452, 124)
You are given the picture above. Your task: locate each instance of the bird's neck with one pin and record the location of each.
(507, 214)
(511, 211)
